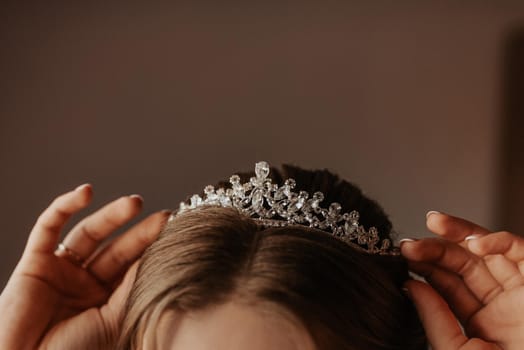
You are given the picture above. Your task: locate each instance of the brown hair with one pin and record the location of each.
(346, 299)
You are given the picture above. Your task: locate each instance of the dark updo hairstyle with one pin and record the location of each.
(346, 299)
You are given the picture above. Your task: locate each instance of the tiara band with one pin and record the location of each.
(271, 205)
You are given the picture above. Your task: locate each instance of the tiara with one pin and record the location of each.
(271, 205)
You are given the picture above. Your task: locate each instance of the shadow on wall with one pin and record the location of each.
(511, 202)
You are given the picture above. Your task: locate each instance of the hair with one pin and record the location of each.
(345, 298)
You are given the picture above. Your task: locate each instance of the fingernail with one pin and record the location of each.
(406, 292)
(404, 240)
(431, 212)
(469, 238)
(137, 196)
(81, 187)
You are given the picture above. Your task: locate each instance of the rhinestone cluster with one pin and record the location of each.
(278, 206)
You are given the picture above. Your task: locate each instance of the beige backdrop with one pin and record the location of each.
(403, 98)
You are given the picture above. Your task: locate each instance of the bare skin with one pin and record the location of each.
(54, 302)
(230, 326)
(476, 277)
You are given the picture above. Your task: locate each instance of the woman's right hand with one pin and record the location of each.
(73, 298)
(476, 277)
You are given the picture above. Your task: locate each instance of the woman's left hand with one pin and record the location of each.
(72, 297)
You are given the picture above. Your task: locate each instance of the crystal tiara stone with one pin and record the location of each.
(272, 205)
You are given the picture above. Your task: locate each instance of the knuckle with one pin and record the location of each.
(491, 294)
(513, 281)
(87, 232)
(146, 235)
(119, 258)
(469, 266)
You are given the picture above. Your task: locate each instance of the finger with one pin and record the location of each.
(451, 287)
(452, 228)
(116, 258)
(46, 232)
(452, 257)
(442, 329)
(85, 237)
(506, 243)
(504, 271)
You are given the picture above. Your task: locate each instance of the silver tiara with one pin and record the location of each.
(274, 206)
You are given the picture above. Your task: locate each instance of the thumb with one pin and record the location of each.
(441, 326)
(113, 312)
(118, 299)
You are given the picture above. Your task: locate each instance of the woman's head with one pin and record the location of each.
(214, 267)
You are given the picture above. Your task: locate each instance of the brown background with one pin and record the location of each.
(406, 98)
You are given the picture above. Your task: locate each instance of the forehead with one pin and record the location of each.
(232, 326)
